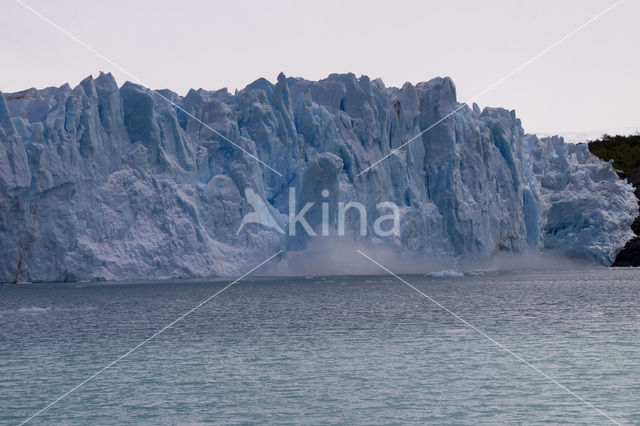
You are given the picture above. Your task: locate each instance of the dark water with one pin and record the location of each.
(335, 350)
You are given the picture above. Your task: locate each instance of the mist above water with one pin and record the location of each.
(335, 256)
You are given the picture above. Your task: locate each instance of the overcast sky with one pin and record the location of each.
(591, 81)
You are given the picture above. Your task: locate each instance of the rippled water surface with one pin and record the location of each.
(348, 350)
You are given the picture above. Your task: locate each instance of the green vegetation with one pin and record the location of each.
(623, 150)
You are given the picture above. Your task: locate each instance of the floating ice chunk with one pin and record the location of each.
(448, 273)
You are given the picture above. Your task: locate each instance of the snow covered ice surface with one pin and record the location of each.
(590, 135)
(102, 182)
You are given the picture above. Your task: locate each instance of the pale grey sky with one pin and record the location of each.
(588, 82)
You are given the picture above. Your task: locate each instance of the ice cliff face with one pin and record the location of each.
(102, 182)
(585, 210)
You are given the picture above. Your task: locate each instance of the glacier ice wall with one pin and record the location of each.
(108, 182)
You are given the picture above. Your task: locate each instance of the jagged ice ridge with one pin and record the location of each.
(102, 182)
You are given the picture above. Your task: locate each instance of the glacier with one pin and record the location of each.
(101, 182)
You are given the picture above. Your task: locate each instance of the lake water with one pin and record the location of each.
(334, 350)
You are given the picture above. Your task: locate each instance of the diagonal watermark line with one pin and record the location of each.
(145, 341)
(139, 80)
(500, 81)
(492, 340)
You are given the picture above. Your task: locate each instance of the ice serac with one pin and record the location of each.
(586, 211)
(108, 182)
